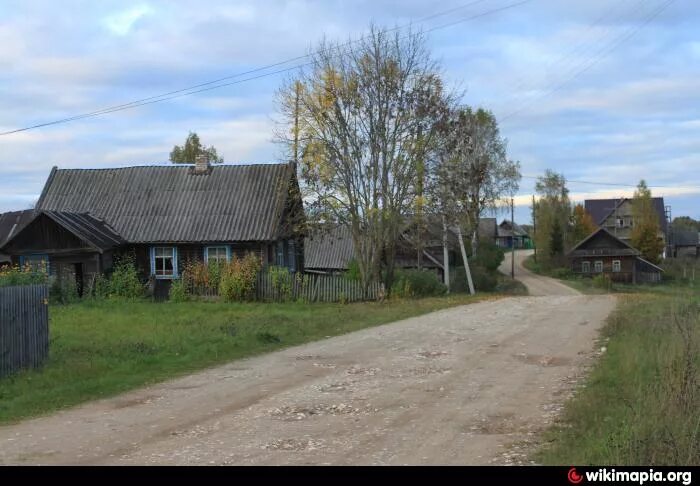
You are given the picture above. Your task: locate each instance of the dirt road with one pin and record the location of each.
(467, 385)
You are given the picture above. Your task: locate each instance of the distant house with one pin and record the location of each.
(616, 216)
(163, 216)
(512, 235)
(602, 253)
(684, 243)
(331, 249)
(10, 224)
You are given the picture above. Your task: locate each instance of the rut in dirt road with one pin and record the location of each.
(458, 386)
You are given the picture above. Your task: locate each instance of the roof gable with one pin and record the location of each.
(603, 239)
(71, 230)
(601, 209)
(12, 222)
(174, 204)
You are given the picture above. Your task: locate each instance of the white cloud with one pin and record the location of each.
(121, 23)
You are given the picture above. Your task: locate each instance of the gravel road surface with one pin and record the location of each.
(468, 385)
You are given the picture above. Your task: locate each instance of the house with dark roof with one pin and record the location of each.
(684, 243)
(162, 216)
(616, 216)
(330, 249)
(602, 253)
(10, 224)
(512, 235)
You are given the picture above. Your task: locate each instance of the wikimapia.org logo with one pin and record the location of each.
(639, 477)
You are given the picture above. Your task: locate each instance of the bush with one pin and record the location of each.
(417, 283)
(602, 281)
(63, 291)
(489, 256)
(123, 282)
(238, 278)
(483, 279)
(178, 291)
(281, 281)
(12, 276)
(561, 273)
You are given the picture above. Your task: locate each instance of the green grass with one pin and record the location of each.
(641, 402)
(101, 348)
(671, 284)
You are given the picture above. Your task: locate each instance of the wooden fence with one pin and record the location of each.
(314, 288)
(24, 327)
(306, 287)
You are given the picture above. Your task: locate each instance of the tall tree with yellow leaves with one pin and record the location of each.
(361, 119)
(646, 231)
(582, 225)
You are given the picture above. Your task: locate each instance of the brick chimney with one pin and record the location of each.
(201, 164)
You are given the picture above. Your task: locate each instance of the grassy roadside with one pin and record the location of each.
(641, 402)
(101, 348)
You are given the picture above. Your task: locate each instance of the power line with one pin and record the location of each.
(614, 184)
(601, 54)
(211, 85)
(583, 46)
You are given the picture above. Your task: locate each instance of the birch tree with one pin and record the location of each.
(361, 117)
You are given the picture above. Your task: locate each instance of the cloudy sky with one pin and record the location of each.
(605, 91)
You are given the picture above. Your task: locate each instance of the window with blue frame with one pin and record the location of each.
(218, 254)
(164, 262)
(36, 263)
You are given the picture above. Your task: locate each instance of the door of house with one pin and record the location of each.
(79, 278)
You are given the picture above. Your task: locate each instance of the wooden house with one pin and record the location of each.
(602, 253)
(10, 224)
(616, 216)
(162, 216)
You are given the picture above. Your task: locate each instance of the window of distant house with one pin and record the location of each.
(586, 267)
(218, 254)
(617, 265)
(598, 266)
(620, 222)
(164, 262)
(35, 263)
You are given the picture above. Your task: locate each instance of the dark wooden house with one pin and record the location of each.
(163, 216)
(512, 235)
(10, 224)
(602, 253)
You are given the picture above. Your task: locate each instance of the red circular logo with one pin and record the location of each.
(574, 477)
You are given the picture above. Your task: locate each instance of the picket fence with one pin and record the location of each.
(307, 287)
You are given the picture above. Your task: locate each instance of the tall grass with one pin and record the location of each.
(641, 404)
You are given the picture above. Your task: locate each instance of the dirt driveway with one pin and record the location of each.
(468, 385)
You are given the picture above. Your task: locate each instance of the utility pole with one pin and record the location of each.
(512, 237)
(534, 224)
(297, 90)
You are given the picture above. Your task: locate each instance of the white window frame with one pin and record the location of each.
(598, 264)
(155, 257)
(586, 267)
(617, 266)
(218, 257)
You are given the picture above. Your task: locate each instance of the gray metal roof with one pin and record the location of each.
(10, 224)
(600, 209)
(173, 204)
(684, 237)
(329, 248)
(488, 228)
(89, 229)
